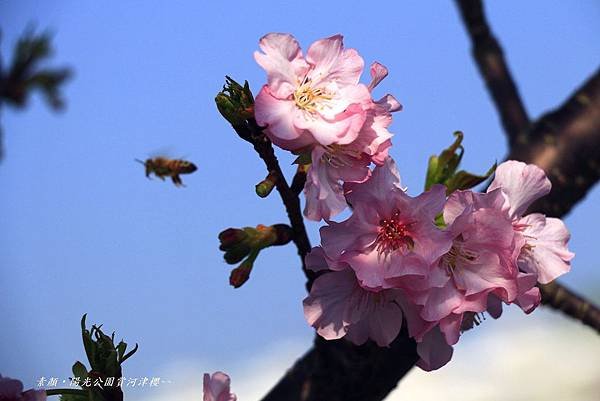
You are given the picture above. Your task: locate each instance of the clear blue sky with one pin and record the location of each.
(82, 230)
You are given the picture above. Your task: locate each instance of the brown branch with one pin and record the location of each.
(299, 181)
(571, 304)
(339, 371)
(566, 144)
(495, 72)
(251, 132)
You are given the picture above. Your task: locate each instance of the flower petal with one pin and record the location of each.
(521, 184)
(378, 73)
(494, 306)
(278, 116)
(326, 305)
(441, 302)
(383, 181)
(547, 254)
(283, 62)
(433, 350)
(315, 260)
(332, 62)
(529, 300)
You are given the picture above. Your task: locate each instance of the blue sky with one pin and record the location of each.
(82, 230)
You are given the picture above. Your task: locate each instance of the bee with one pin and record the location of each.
(163, 167)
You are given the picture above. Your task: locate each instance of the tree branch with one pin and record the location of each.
(494, 70)
(340, 371)
(566, 144)
(251, 132)
(571, 304)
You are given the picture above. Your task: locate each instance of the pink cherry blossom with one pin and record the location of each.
(390, 239)
(12, 390)
(481, 263)
(336, 164)
(310, 100)
(475, 275)
(316, 104)
(545, 252)
(338, 306)
(216, 387)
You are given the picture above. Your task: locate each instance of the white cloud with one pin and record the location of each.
(538, 357)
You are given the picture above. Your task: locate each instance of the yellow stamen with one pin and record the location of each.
(307, 98)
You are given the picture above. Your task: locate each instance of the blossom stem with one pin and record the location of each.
(251, 132)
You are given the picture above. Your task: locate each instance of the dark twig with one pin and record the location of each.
(298, 181)
(495, 72)
(251, 132)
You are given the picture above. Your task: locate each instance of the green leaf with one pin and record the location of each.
(432, 171)
(88, 344)
(130, 353)
(441, 168)
(464, 180)
(79, 370)
(121, 347)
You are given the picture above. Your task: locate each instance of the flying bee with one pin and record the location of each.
(163, 167)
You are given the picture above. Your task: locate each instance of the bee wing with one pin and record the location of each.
(164, 151)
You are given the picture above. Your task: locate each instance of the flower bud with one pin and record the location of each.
(227, 108)
(238, 252)
(284, 234)
(264, 188)
(235, 102)
(241, 274)
(230, 237)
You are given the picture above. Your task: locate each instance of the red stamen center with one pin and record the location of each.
(393, 235)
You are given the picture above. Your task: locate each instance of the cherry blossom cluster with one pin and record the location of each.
(435, 262)
(315, 105)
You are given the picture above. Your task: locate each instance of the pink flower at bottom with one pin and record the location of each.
(216, 387)
(12, 390)
(338, 306)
